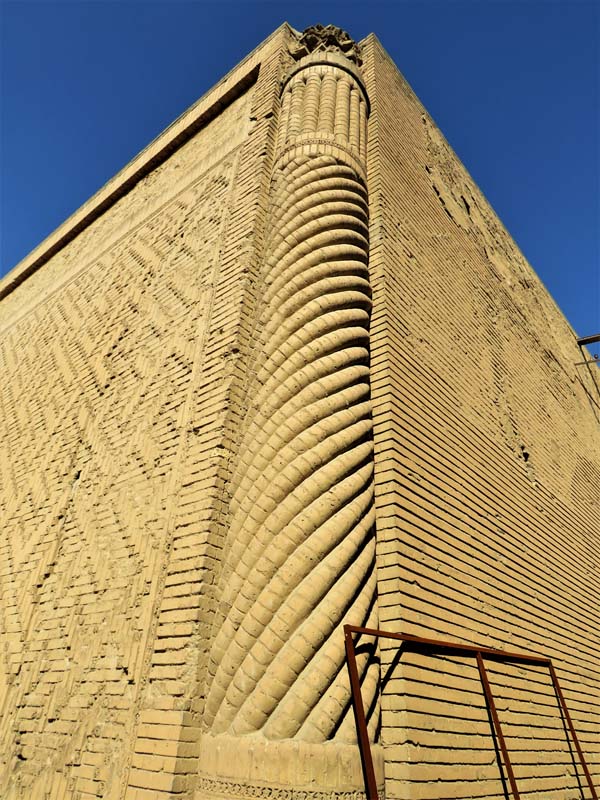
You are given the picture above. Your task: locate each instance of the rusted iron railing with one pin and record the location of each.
(480, 653)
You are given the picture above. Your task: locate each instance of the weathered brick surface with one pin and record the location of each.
(119, 361)
(487, 461)
(127, 378)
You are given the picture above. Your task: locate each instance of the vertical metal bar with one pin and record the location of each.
(563, 704)
(359, 715)
(492, 707)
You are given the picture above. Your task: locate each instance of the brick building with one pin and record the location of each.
(287, 371)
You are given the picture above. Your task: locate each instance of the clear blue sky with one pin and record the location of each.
(513, 84)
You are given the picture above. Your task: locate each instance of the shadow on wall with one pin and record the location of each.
(446, 742)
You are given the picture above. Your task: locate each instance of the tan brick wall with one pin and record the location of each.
(487, 460)
(119, 361)
(126, 340)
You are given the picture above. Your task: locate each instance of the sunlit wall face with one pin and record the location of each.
(289, 371)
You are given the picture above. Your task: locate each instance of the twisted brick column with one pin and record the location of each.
(300, 556)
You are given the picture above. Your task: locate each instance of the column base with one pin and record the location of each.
(250, 767)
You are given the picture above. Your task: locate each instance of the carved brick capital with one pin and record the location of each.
(326, 39)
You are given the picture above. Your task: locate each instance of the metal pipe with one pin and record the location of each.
(588, 339)
(486, 651)
(479, 652)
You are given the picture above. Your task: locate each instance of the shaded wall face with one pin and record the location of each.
(116, 362)
(486, 472)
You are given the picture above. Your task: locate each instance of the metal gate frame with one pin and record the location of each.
(479, 653)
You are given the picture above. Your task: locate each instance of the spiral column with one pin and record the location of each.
(300, 554)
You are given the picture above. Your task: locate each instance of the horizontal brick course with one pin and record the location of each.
(481, 429)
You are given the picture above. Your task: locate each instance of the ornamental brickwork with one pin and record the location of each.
(287, 371)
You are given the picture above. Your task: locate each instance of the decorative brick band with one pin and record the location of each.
(224, 790)
(254, 766)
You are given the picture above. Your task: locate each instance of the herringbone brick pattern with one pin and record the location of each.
(103, 382)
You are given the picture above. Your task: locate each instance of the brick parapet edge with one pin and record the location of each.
(209, 106)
